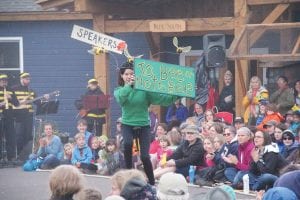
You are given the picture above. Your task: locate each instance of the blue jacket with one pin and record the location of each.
(87, 138)
(180, 114)
(287, 150)
(84, 157)
(55, 148)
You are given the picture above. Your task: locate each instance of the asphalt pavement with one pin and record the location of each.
(15, 184)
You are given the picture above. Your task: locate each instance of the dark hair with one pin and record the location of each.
(218, 127)
(266, 136)
(110, 142)
(124, 66)
(284, 78)
(163, 125)
(295, 91)
(281, 126)
(232, 129)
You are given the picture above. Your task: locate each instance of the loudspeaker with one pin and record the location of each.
(214, 50)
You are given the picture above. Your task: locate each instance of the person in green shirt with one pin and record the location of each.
(135, 117)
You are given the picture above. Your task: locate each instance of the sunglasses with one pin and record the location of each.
(287, 138)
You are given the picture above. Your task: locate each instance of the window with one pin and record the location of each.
(11, 57)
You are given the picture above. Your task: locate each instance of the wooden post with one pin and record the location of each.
(101, 69)
(241, 14)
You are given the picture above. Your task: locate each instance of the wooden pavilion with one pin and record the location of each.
(190, 18)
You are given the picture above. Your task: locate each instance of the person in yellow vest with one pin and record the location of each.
(7, 130)
(95, 114)
(24, 112)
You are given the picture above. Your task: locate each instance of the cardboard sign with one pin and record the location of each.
(164, 78)
(98, 39)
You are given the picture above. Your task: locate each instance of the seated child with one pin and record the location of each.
(110, 159)
(271, 114)
(163, 152)
(82, 128)
(175, 139)
(102, 141)
(82, 154)
(95, 149)
(68, 149)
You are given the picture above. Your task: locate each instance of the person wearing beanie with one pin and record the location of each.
(172, 186)
(290, 180)
(290, 145)
(135, 116)
(279, 193)
(93, 113)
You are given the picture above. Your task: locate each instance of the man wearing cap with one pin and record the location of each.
(95, 116)
(239, 122)
(24, 112)
(7, 129)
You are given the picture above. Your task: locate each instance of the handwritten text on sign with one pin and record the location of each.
(164, 78)
(98, 39)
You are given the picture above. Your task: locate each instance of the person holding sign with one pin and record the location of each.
(135, 117)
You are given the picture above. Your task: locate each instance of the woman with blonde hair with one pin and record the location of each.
(251, 100)
(64, 182)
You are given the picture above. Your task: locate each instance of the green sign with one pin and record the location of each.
(164, 78)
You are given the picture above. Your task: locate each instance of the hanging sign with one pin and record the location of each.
(164, 78)
(167, 26)
(98, 39)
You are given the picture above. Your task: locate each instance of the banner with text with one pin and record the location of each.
(164, 78)
(98, 39)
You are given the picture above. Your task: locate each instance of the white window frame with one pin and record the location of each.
(21, 61)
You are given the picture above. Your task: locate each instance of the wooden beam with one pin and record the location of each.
(101, 68)
(47, 4)
(264, 2)
(296, 47)
(272, 17)
(44, 16)
(242, 14)
(286, 57)
(192, 24)
(236, 41)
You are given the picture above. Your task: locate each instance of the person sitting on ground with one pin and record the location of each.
(238, 122)
(278, 136)
(264, 169)
(189, 152)
(82, 128)
(290, 144)
(132, 185)
(50, 149)
(227, 97)
(209, 115)
(102, 141)
(261, 112)
(175, 139)
(64, 182)
(161, 129)
(271, 115)
(172, 186)
(110, 159)
(198, 114)
(295, 124)
(163, 152)
(242, 162)
(277, 193)
(68, 149)
(82, 155)
(291, 181)
(89, 194)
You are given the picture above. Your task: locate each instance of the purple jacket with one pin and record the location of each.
(244, 156)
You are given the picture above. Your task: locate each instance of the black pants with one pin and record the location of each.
(7, 129)
(24, 125)
(143, 135)
(95, 126)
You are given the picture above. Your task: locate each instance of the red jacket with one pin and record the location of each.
(244, 156)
